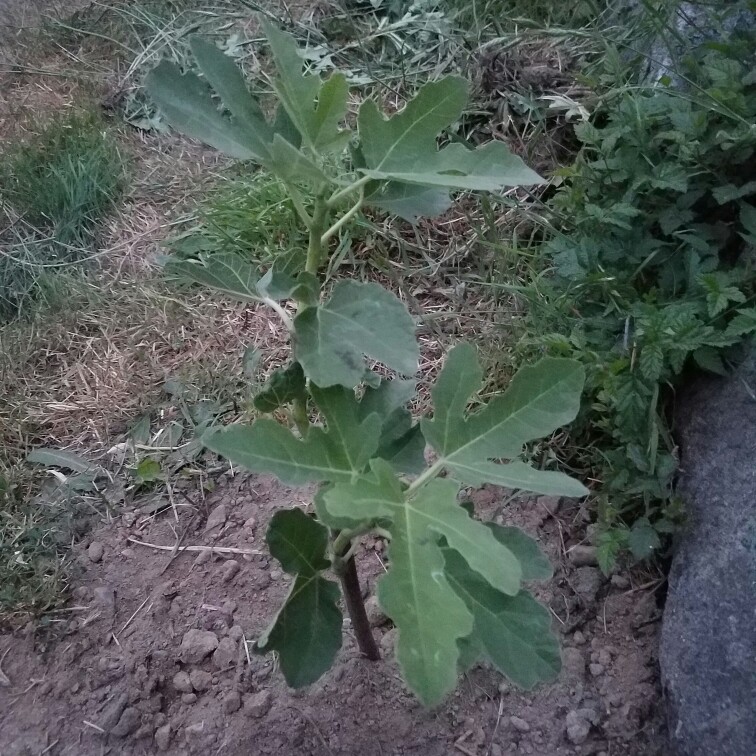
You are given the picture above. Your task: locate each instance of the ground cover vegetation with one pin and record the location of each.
(57, 186)
(647, 274)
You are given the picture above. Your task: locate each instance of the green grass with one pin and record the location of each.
(64, 179)
(250, 214)
(56, 188)
(497, 15)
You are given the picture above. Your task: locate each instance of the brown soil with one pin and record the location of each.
(103, 678)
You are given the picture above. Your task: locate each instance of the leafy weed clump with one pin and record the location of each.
(653, 275)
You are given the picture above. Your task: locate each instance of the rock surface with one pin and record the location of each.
(707, 654)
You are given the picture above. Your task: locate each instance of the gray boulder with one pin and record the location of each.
(708, 645)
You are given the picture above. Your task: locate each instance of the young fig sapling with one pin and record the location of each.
(454, 585)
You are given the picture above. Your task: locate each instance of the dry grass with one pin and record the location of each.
(78, 377)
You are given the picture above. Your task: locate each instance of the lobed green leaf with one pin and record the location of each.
(306, 632)
(538, 400)
(358, 319)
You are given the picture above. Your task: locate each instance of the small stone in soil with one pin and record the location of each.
(196, 645)
(189, 698)
(113, 712)
(216, 519)
(550, 503)
(581, 555)
(200, 680)
(226, 654)
(230, 569)
(232, 701)
(236, 633)
(258, 705)
(587, 582)
(95, 551)
(620, 581)
(163, 737)
(577, 728)
(519, 724)
(596, 669)
(194, 731)
(375, 614)
(182, 682)
(128, 722)
(578, 638)
(388, 642)
(203, 557)
(261, 581)
(573, 664)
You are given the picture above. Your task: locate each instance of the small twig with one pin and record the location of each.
(496, 726)
(175, 550)
(138, 609)
(94, 726)
(49, 748)
(20, 695)
(211, 549)
(458, 745)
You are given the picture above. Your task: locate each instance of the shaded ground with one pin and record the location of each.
(107, 678)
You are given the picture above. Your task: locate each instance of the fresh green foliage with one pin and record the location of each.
(65, 178)
(453, 584)
(498, 14)
(61, 183)
(653, 274)
(248, 215)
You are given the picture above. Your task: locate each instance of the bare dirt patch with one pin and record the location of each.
(151, 656)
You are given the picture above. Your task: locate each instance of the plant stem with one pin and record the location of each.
(285, 317)
(343, 539)
(300, 416)
(350, 583)
(430, 473)
(344, 219)
(317, 227)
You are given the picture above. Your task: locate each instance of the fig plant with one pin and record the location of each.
(454, 585)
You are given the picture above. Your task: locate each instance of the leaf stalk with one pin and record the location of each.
(350, 583)
(337, 196)
(334, 229)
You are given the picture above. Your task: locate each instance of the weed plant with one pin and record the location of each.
(651, 273)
